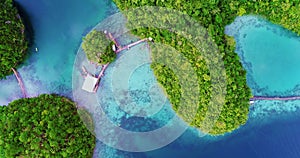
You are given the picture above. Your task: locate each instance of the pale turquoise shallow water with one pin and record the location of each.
(272, 129)
(270, 54)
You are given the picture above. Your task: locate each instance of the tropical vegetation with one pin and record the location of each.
(13, 43)
(214, 15)
(98, 48)
(45, 126)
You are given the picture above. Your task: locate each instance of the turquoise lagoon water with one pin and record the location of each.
(272, 129)
(270, 54)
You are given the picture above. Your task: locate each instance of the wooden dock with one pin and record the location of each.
(119, 49)
(104, 67)
(275, 98)
(21, 84)
(102, 71)
(132, 44)
(114, 40)
(84, 71)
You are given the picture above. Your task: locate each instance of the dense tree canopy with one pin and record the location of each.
(45, 126)
(98, 48)
(215, 15)
(13, 44)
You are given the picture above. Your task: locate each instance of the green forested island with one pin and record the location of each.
(13, 44)
(214, 15)
(45, 126)
(98, 48)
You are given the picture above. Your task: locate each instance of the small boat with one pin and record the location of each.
(36, 49)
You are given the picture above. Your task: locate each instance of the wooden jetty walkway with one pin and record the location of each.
(102, 71)
(20, 82)
(91, 83)
(84, 71)
(104, 67)
(114, 40)
(132, 44)
(275, 98)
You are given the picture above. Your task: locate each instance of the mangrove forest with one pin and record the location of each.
(13, 43)
(45, 126)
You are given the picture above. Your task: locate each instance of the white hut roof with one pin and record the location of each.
(89, 83)
(114, 48)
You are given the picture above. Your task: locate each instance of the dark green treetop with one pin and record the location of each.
(13, 44)
(45, 126)
(98, 48)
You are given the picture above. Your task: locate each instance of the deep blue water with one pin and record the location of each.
(272, 129)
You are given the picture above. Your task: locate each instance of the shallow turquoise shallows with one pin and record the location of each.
(268, 52)
(271, 55)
